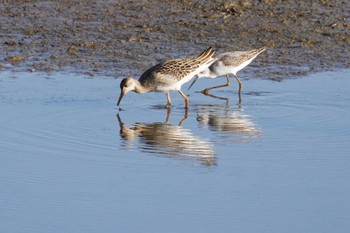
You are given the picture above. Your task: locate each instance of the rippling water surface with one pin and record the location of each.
(71, 161)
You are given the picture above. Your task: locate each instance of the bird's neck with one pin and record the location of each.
(139, 88)
(211, 75)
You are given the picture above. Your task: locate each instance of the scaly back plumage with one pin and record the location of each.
(177, 68)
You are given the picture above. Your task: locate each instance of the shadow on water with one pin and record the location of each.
(228, 122)
(220, 122)
(167, 140)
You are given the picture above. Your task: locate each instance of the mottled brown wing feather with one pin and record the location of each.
(179, 68)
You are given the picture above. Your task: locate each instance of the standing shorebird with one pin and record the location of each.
(226, 64)
(168, 76)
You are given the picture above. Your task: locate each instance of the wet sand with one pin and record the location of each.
(72, 162)
(125, 37)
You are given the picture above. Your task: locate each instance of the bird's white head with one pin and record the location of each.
(126, 85)
(205, 73)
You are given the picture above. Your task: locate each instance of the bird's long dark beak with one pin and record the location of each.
(195, 80)
(122, 93)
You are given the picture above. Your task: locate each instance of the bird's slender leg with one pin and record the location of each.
(205, 91)
(215, 96)
(239, 84)
(169, 100)
(185, 98)
(239, 89)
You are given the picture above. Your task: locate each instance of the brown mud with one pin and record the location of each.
(119, 38)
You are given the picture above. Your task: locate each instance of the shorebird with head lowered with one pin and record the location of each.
(168, 76)
(226, 64)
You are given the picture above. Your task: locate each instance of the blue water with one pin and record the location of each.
(70, 161)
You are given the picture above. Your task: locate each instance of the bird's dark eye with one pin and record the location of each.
(126, 85)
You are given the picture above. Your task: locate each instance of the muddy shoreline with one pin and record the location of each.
(119, 38)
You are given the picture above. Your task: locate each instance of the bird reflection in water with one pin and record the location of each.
(232, 124)
(168, 140)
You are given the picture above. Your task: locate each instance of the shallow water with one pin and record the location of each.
(72, 162)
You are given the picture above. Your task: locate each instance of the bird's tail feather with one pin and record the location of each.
(206, 55)
(258, 51)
